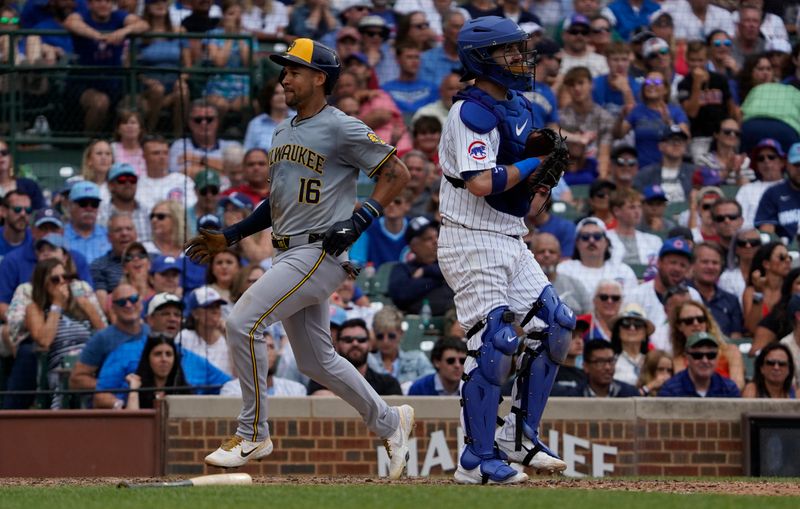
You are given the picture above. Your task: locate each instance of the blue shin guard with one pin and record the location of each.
(480, 395)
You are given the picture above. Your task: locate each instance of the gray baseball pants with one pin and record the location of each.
(295, 291)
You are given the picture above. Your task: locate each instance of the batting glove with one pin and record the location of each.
(343, 234)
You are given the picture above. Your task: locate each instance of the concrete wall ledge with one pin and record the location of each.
(628, 409)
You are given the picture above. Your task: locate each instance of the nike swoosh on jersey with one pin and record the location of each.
(344, 230)
(520, 129)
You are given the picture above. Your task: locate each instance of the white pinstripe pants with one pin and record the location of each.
(486, 270)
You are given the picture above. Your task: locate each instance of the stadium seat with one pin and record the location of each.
(380, 283)
(580, 192)
(416, 336)
(674, 209)
(639, 270)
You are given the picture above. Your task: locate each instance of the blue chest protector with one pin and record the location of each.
(514, 120)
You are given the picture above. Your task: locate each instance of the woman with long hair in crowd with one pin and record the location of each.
(96, 163)
(127, 144)
(223, 268)
(724, 156)
(743, 248)
(756, 71)
(59, 322)
(159, 367)
(8, 182)
(692, 317)
(167, 224)
(771, 264)
(23, 372)
(630, 333)
(774, 374)
(274, 110)
(777, 323)
(413, 28)
(657, 369)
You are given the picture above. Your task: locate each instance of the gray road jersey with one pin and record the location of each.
(314, 164)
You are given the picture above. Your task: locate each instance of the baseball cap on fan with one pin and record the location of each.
(653, 46)
(203, 297)
(418, 226)
(47, 215)
(160, 300)
(576, 20)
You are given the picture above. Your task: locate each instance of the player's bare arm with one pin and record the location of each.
(392, 178)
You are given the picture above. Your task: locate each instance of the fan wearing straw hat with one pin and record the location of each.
(630, 334)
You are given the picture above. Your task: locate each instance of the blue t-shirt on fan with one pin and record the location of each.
(647, 125)
(91, 52)
(780, 206)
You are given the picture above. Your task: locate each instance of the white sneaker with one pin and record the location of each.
(475, 476)
(236, 451)
(397, 444)
(541, 461)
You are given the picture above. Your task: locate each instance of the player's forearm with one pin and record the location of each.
(260, 219)
(500, 178)
(392, 179)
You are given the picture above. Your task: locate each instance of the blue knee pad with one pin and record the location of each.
(560, 322)
(480, 394)
(500, 342)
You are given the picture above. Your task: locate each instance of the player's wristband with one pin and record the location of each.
(369, 211)
(526, 167)
(499, 179)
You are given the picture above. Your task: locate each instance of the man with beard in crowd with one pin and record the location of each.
(353, 345)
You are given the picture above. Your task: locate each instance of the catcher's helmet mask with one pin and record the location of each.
(481, 37)
(314, 55)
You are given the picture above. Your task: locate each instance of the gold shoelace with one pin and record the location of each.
(232, 442)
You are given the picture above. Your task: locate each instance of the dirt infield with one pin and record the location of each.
(733, 487)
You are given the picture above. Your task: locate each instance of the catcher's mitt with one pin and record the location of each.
(554, 165)
(540, 143)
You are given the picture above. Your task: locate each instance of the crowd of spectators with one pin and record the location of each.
(673, 235)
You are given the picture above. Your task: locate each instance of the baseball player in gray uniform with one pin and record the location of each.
(314, 162)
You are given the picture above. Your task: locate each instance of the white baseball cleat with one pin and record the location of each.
(397, 444)
(236, 451)
(476, 476)
(540, 460)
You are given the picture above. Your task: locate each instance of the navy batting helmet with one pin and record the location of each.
(480, 37)
(312, 54)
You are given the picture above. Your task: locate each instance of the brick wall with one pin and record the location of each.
(325, 437)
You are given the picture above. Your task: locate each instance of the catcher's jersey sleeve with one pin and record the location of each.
(360, 147)
(463, 150)
(467, 150)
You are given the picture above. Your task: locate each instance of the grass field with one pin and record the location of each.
(383, 496)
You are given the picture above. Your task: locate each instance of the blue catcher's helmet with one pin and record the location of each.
(480, 36)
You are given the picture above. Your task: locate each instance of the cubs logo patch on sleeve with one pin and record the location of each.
(477, 150)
